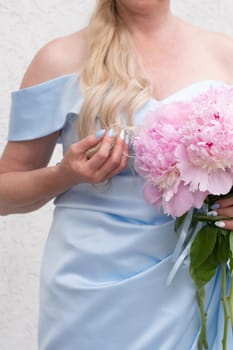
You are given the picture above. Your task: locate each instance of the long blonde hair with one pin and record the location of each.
(111, 81)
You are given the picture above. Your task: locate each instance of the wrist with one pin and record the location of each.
(64, 176)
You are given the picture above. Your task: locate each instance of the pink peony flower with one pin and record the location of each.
(204, 157)
(185, 151)
(155, 144)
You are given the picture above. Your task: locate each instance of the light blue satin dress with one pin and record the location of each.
(108, 253)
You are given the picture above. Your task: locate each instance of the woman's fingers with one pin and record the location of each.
(106, 158)
(226, 224)
(225, 212)
(103, 153)
(115, 161)
(224, 203)
(123, 162)
(115, 156)
(88, 142)
(224, 207)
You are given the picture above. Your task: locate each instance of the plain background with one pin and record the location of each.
(25, 26)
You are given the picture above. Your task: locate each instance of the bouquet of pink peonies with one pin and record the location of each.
(184, 151)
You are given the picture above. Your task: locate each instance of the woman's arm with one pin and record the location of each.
(26, 182)
(17, 167)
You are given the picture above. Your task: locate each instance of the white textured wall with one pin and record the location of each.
(26, 25)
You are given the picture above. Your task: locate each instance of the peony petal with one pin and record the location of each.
(168, 193)
(180, 203)
(152, 195)
(197, 178)
(198, 198)
(220, 182)
(190, 174)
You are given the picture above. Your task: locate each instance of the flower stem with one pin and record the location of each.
(230, 301)
(202, 338)
(224, 301)
(205, 218)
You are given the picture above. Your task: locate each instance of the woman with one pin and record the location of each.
(108, 254)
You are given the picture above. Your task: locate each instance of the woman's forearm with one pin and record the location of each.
(26, 191)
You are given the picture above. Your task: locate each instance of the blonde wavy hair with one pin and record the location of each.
(111, 80)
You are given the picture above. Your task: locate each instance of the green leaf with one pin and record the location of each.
(203, 273)
(231, 264)
(179, 221)
(223, 232)
(222, 248)
(231, 242)
(203, 245)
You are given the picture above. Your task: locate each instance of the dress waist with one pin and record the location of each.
(122, 197)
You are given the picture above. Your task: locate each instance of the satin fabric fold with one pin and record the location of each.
(104, 287)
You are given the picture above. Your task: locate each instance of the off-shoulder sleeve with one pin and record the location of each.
(42, 109)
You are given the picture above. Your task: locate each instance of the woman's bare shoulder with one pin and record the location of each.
(214, 46)
(61, 56)
(220, 46)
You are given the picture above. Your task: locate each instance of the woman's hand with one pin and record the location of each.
(76, 167)
(223, 207)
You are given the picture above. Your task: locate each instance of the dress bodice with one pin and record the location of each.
(55, 105)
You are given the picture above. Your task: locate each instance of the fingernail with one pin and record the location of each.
(110, 133)
(212, 213)
(100, 133)
(127, 139)
(215, 206)
(220, 224)
(122, 134)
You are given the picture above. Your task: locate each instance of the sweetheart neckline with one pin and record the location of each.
(188, 87)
